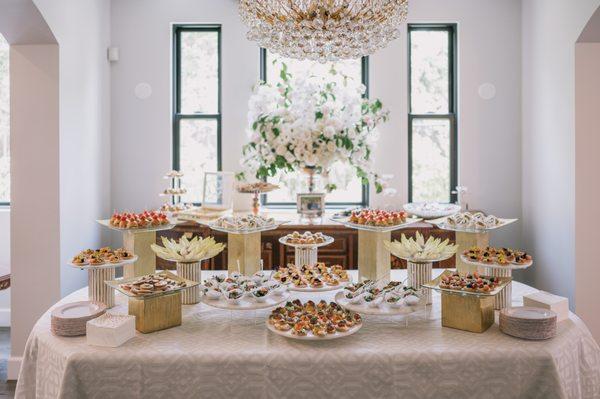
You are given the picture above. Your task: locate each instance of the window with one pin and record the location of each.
(196, 105)
(432, 133)
(4, 125)
(354, 193)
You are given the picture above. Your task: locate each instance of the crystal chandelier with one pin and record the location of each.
(323, 30)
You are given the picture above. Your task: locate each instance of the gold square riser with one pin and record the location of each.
(465, 241)
(245, 249)
(139, 244)
(156, 313)
(467, 312)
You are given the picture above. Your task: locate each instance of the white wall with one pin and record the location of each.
(489, 131)
(587, 165)
(82, 29)
(550, 30)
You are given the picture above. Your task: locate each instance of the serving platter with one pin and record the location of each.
(246, 303)
(510, 266)
(106, 223)
(325, 288)
(382, 310)
(441, 223)
(311, 337)
(420, 209)
(116, 284)
(328, 240)
(377, 229)
(435, 285)
(106, 265)
(274, 226)
(419, 261)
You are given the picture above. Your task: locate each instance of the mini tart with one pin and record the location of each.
(78, 260)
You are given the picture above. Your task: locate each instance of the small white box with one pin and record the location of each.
(545, 300)
(110, 330)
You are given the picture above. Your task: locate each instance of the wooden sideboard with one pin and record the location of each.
(342, 251)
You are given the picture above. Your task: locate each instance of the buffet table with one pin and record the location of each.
(218, 354)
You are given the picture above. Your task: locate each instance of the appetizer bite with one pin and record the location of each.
(498, 256)
(97, 257)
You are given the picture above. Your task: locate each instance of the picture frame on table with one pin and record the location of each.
(217, 190)
(310, 204)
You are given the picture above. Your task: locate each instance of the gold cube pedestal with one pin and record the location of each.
(246, 249)
(467, 312)
(139, 244)
(374, 261)
(466, 241)
(157, 313)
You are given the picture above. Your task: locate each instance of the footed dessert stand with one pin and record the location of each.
(138, 241)
(98, 291)
(504, 298)
(306, 254)
(468, 238)
(374, 260)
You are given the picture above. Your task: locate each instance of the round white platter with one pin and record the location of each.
(510, 266)
(106, 265)
(310, 336)
(382, 310)
(106, 223)
(328, 240)
(421, 210)
(377, 229)
(246, 303)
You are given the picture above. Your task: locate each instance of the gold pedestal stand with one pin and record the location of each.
(374, 260)
(243, 251)
(465, 241)
(139, 244)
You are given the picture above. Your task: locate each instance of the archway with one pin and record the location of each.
(34, 142)
(587, 164)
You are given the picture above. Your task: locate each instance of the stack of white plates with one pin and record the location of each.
(70, 320)
(528, 323)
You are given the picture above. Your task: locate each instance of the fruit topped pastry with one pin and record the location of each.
(141, 220)
(380, 218)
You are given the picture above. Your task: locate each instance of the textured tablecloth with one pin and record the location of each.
(217, 354)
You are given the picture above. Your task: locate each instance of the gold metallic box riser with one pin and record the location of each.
(157, 313)
(246, 249)
(467, 312)
(139, 244)
(374, 260)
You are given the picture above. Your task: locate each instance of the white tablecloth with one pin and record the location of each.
(216, 354)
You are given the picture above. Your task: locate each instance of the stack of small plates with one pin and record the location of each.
(70, 320)
(528, 323)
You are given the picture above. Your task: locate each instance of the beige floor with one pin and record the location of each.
(7, 389)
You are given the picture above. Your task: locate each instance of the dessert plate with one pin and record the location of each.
(106, 223)
(328, 240)
(106, 265)
(431, 210)
(510, 266)
(377, 229)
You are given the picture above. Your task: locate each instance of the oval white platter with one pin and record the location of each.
(311, 337)
(328, 240)
(382, 310)
(441, 223)
(510, 266)
(423, 260)
(377, 229)
(106, 265)
(106, 223)
(325, 288)
(444, 210)
(246, 303)
(212, 226)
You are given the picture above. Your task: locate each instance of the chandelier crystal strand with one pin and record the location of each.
(323, 30)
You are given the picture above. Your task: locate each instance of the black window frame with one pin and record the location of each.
(451, 116)
(177, 116)
(365, 187)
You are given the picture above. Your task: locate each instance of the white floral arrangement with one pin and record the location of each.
(312, 122)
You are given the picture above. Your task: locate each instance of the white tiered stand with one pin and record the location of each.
(306, 254)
